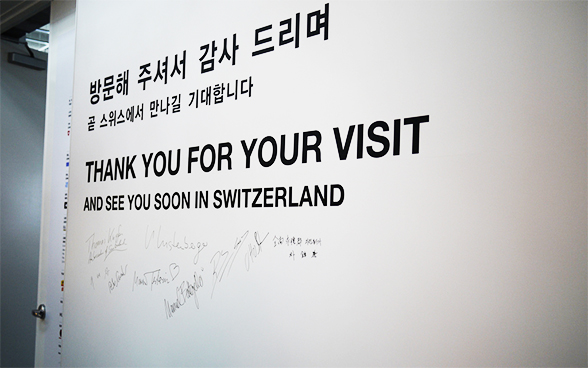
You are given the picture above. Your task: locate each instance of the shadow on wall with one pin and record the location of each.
(22, 123)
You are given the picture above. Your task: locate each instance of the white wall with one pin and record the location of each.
(58, 116)
(470, 253)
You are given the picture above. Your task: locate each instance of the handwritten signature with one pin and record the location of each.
(184, 292)
(156, 277)
(254, 249)
(113, 242)
(118, 275)
(170, 243)
(222, 261)
(185, 282)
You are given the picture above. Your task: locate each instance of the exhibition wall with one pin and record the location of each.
(342, 183)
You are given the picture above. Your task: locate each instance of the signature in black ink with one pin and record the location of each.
(174, 270)
(156, 277)
(184, 292)
(114, 242)
(222, 261)
(94, 247)
(254, 249)
(118, 275)
(306, 246)
(140, 281)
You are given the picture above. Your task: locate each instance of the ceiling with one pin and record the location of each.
(18, 18)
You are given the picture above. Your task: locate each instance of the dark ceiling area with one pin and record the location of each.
(18, 18)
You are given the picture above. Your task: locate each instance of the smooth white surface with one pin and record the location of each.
(55, 171)
(472, 252)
